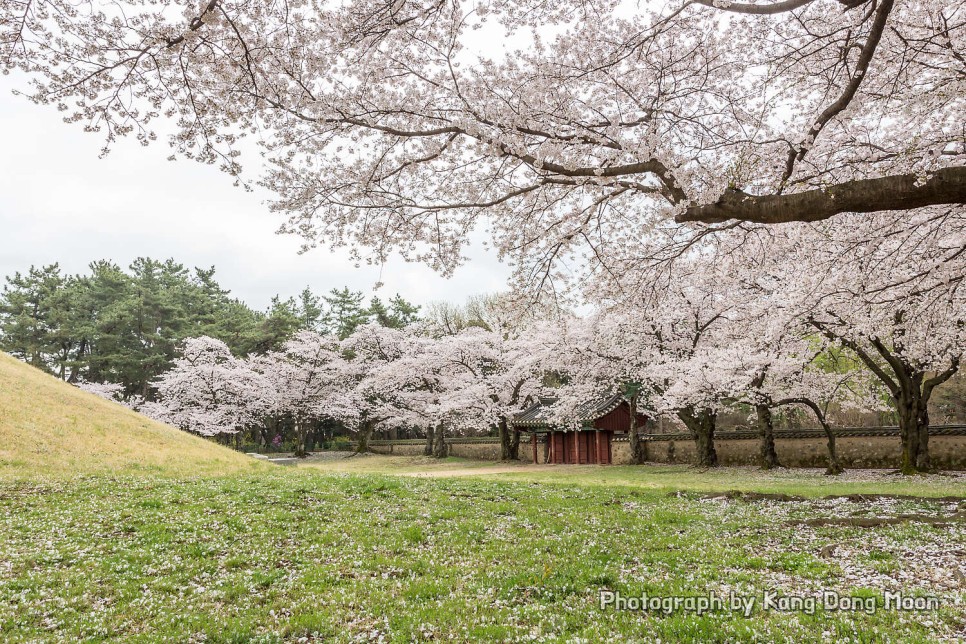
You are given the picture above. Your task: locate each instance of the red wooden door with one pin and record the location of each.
(559, 448)
(603, 448)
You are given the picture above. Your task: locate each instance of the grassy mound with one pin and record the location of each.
(50, 428)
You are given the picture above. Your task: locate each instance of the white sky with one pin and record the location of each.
(60, 203)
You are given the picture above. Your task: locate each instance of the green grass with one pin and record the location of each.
(286, 554)
(668, 478)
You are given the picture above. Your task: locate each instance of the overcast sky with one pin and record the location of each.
(60, 203)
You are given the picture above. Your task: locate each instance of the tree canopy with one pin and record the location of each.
(125, 326)
(398, 126)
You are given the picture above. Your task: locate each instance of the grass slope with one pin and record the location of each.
(52, 429)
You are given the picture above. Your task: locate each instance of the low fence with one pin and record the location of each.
(857, 447)
(485, 448)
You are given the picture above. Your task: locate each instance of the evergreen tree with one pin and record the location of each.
(126, 326)
(278, 325)
(397, 315)
(32, 312)
(344, 312)
(403, 313)
(379, 313)
(310, 310)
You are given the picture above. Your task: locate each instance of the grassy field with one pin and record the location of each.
(116, 528)
(340, 552)
(667, 478)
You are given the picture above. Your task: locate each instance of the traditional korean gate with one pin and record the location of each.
(580, 448)
(603, 440)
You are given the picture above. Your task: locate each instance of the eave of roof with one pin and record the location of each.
(534, 416)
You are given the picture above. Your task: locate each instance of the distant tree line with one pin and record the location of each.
(126, 326)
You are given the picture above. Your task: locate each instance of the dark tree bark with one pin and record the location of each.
(430, 437)
(509, 440)
(898, 192)
(440, 448)
(914, 429)
(702, 425)
(300, 435)
(638, 447)
(365, 435)
(834, 467)
(766, 429)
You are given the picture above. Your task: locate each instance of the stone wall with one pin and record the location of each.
(857, 448)
(948, 452)
(398, 449)
(484, 450)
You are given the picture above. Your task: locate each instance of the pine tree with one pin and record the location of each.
(344, 312)
(310, 310)
(30, 315)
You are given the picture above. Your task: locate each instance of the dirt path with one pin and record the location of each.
(473, 471)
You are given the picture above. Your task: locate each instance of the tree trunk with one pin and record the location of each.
(834, 467)
(638, 447)
(430, 437)
(514, 444)
(766, 429)
(914, 430)
(365, 433)
(701, 424)
(439, 443)
(312, 437)
(300, 438)
(509, 441)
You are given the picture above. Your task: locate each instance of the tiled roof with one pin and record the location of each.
(537, 416)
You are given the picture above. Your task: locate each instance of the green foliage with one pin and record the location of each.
(116, 325)
(33, 309)
(124, 326)
(344, 312)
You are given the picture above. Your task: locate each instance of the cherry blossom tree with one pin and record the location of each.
(663, 353)
(374, 391)
(897, 306)
(303, 380)
(792, 369)
(601, 355)
(397, 126)
(206, 391)
(108, 390)
(488, 377)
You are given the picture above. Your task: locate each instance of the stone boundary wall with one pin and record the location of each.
(947, 452)
(857, 447)
(484, 449)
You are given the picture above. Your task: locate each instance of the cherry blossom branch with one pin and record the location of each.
(898, 192)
